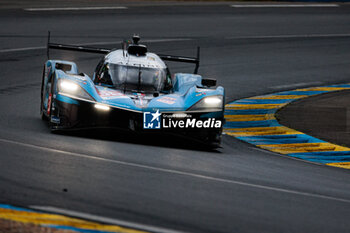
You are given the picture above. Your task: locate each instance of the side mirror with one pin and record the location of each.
(209, 82)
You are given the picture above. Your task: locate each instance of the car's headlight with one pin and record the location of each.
(67, 86)
(210, 103)
(72, 89)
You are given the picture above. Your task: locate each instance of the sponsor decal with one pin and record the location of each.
(200, 93)
(202, 90)
(140, 95)
(111, 94)
(167, 100)
(156, 120)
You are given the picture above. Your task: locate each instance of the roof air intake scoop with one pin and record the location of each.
(137, 49)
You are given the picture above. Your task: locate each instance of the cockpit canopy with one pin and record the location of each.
(137, 78)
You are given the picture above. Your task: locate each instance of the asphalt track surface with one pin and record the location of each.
(325, 117)
(161, 181)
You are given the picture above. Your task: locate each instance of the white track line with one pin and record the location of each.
(93, 43)
(185, 39)
(295, 36)
(77, 8)
(102, 219)
(22, 49)
(296, 85)
(281, 5)
(177, 172)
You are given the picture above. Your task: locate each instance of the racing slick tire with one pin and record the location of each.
(42, 114)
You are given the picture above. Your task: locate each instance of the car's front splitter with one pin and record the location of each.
(78, 114)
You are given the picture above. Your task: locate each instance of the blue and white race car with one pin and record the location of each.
(132, 89)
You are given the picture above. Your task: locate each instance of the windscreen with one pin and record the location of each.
(135, 78)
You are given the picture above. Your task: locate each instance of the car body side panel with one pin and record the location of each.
(50, 76)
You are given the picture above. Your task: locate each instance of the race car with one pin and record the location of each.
(131, 89)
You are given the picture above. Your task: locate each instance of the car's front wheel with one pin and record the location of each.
(42, 114)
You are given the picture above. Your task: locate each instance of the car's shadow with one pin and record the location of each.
(148, 139)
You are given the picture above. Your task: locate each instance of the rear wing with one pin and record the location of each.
(193, 60)
(73, 48)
